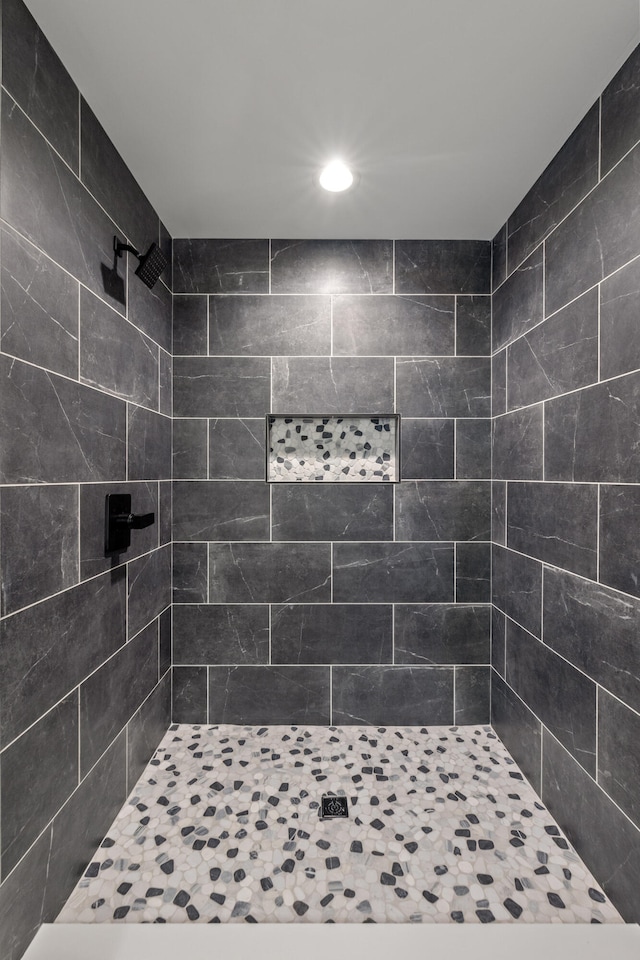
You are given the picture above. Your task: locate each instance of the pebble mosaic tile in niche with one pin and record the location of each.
(355, 448)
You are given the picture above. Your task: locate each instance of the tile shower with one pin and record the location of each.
(463, 595)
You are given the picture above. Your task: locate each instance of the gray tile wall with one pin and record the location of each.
(320, 604)
(566, 487)
(85, 393)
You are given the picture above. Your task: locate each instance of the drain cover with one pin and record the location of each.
(333, 807)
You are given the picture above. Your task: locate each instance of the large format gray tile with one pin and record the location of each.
(444, 387)
(406, 695)
(190, 334)
(387, 326)
(270, 573)
(443, 266)
(148, 444)
(473, 572)
(75, 433)
(427, 449)
(442, 633)
(618, 759)
(20, 916)
(190, 573)
(331, 633)
(619, 306)
(332, 511)
(518, 728)
(269, 694)
(619, 547)
(190, 447)
(472, 686)
(473, 449)
(221, 386)
(49, 648)
(220, 266)
(332, 385)
(38, 543)
(150, 310)
(269, 326)
(237, 449)
(39, 308)
(518, 444)
(473, 326)
(220, 510)
(516, 584)
(393, 573)
(621, 112)
(189, 695)
(146, 729)
(331, 266)
(220, 633)
(518, 304)
(149, 580)
(443, 510)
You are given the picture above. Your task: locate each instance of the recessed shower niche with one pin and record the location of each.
(353, 448)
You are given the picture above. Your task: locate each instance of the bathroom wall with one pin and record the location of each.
(85, 394)
(566, 490)
(331, 603)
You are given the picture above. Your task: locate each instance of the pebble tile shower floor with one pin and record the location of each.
(223, 826)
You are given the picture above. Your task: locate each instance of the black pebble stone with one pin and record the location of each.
(181, 898)
(217, 898)
(514, 908)
(431, 897)
(356, 847)
(555, 901)
(288, 866)
(596, 895)
(377, 824)
(387, 880)
(167, 867)
(120, 913)
(192, 913)
(154, 892)
(300, 907)
(214, 873)
(457, 916)
(484, 878)
(332, 863)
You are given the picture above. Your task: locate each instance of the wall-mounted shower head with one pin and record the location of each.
(151, 265)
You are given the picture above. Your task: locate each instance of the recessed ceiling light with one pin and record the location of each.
(336, 176)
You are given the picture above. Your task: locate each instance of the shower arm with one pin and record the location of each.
(121, 247)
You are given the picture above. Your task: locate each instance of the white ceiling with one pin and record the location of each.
(448, 109)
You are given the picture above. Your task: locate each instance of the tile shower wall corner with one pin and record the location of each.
(566, 492)
(85, 390)
(287, 601)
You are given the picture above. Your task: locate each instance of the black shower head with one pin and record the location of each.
(151, 265)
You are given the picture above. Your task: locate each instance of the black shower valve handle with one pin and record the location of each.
(136, 521)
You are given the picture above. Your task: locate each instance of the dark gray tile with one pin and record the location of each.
(190, 335)
(444, 387)
(442, 633)
(443, 510)
(189, 695)
(165, 640)
(387, 325)
(270, 573)
(113, 185)
(621, 113)
(146, 729)
(81, 825)
(190, 449)
(35, 76)
(473, 695)
(555, 522)
(164, 519)
(269, 326)
(519, 303)
(473, 326)
(473, 449)
(49, 648)
(114, 355)
(443, 266)
(220, 266)
(331, 266)
(596, 629)
(144, 499)
(499, 512)
(148, 445)
(47, 204)
(393, 573)
(220, 633)
(166, 383)
(220, 510)
(149, 588)
(39, 308)
(599, 236)
(619, 308)
(221, 386)
(190, 573)
(619, 547)
(332, 633)
(20, 915)
(426, 449)
(38, 543)
(111, 695)
(265, 694)
(592, 435)
(237, 449)
(498, 640)
(473, 572)
(608, 843)
(518, 445)
(75, 433)
(150, 310)
(332, 511)
(47, 754)
(518, 729)
(618, 760)
(406, 695)
(516, 584)
(559, 695)
(166, 245)
(499, 258)
(332, 385)
(499, 383)
(567, 179)
(561, 354)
